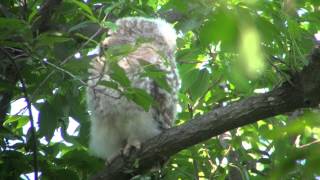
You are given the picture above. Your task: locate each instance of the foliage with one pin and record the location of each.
(227, 50)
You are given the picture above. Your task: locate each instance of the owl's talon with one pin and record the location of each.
(134, 145)
(107, 163)
(111, 158)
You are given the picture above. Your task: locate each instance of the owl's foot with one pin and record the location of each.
(131, 146)
(111, 158)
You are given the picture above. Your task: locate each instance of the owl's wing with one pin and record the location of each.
(164, 109)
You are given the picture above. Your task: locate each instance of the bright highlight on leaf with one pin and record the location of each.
(317, 36)
(250, 51)
(250, 1)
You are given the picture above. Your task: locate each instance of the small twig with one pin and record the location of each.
(33, 131)
(65, 71)
(14, 49)
(238, 169)
(24, 9)
(193, 153)
(64, 62)
(21, 111)
(82, 46)
(95, 88)
(26, 177)
(309, 144)
(106, 94)
(207, 90)
(213, 166)
(280, 72)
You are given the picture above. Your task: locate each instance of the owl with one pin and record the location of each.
(117, 123)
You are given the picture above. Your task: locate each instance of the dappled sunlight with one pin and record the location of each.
(251, 55)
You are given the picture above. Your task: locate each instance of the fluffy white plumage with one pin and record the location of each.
(116, 122)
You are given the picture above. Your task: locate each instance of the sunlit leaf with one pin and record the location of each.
(22, 120)
(200, 85)
(109, 25)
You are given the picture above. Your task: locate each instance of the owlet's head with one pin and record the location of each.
(131, 28)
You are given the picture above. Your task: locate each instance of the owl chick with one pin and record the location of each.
(117, 123)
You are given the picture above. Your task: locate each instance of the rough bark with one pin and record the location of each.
(302, 91)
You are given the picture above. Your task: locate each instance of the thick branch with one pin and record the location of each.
(286, 98)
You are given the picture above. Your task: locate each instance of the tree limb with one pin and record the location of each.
(286, 98)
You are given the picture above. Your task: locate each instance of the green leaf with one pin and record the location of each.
(151, 71)
(83, 6)
(13, 164)
(220, 27)
(78, 67)
(179, 5)
(10, 27)
(109, 84)
(59, 173)
(48, 120)
(80, 26)
(109, 25)
(119, 75)
(201, 84)
(49, 39)
(269, 31)
(11, 23)
(140, 97)
(86, 9)
(21, 119)
(80, 159)
(108, 10)
(188, 78)
(117, 51)
(50, 112)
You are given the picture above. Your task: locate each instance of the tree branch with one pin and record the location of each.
(286, 98)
